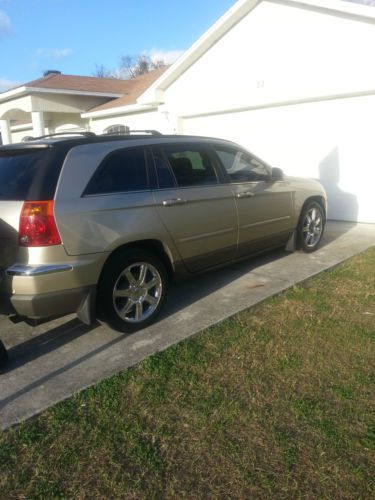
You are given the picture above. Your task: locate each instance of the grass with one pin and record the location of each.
(278, 401)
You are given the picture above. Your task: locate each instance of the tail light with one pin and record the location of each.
(37, 225)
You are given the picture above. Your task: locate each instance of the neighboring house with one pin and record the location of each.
(57, 103)
(292, 80)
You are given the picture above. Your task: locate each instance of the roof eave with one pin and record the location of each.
(10, 94)
(20, 91)
(92, 93)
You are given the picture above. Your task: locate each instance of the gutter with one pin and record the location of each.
(21, 91)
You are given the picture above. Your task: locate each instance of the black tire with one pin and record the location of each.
(134, 307)
(311, 226)
(3, 356)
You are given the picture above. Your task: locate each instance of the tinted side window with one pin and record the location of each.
(120, 172)
(191, 166)
(165, 178)
(240, 166)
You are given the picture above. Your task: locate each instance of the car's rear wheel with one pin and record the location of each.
(311, 226)
(132, 290)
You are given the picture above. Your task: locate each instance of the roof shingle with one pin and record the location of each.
(130, 89)
(135, 88)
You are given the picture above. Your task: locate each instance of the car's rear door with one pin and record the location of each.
(264, 205)
(195, 205)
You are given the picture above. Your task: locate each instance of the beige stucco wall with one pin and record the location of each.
(18, 135)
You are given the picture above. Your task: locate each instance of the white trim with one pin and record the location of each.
(74, 92)
(277, 104)
(20, 91)
(154, 94)
(8, 95)
(121, 110)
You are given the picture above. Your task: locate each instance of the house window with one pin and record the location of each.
(117, 130)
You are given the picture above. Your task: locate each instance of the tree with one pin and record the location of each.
(130, 67)
(133, 66)
(102, 72)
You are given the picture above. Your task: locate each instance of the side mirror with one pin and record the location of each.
(277, 174)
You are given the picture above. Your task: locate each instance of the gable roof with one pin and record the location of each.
(111, 88)
(79, 83)
(135, 87)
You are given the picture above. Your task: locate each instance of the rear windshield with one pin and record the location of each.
(26, 174)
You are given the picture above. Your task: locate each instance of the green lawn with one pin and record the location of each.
(278, 401)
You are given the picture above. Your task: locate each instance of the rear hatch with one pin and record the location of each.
(25, 174)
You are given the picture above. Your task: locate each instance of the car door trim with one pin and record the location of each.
(268, 221)
(207, 235)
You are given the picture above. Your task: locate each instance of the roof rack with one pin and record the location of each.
(152, 132)
(57, 134)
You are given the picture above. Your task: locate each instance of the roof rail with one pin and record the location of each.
(84, 134)
(152, 132)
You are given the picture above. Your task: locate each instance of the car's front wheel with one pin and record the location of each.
(132, 290)
(311, 226)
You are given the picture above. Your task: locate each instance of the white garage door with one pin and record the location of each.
(329, 140)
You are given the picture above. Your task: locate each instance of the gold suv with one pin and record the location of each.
(99, 225)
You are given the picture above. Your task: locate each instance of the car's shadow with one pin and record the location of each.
(182, 294)
(39, 341)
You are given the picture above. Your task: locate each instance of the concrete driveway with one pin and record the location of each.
(51, 362)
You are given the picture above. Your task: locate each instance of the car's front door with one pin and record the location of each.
(264, 206)
(196, 207)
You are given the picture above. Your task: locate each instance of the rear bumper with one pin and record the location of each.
(48, 305)
(37, 301)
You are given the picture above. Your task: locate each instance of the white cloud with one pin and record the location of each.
(5, 25)
(55, 54)
(168, 56)
(6, 84)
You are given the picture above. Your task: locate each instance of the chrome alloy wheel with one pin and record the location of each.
(137, 292)
(312, 227)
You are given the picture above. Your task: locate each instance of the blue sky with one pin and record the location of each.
(75, 35)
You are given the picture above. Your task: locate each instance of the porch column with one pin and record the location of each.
(5, 132)
(38, 123)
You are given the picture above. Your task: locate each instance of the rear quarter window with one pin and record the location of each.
(29, 174)
(120, 172)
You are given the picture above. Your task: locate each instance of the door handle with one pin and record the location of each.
(245, 194)
(173, 201)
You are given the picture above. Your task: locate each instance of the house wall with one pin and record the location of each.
(18, 135)
(55, 120)
(278, 53)
(328, 140)
(272, 82)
